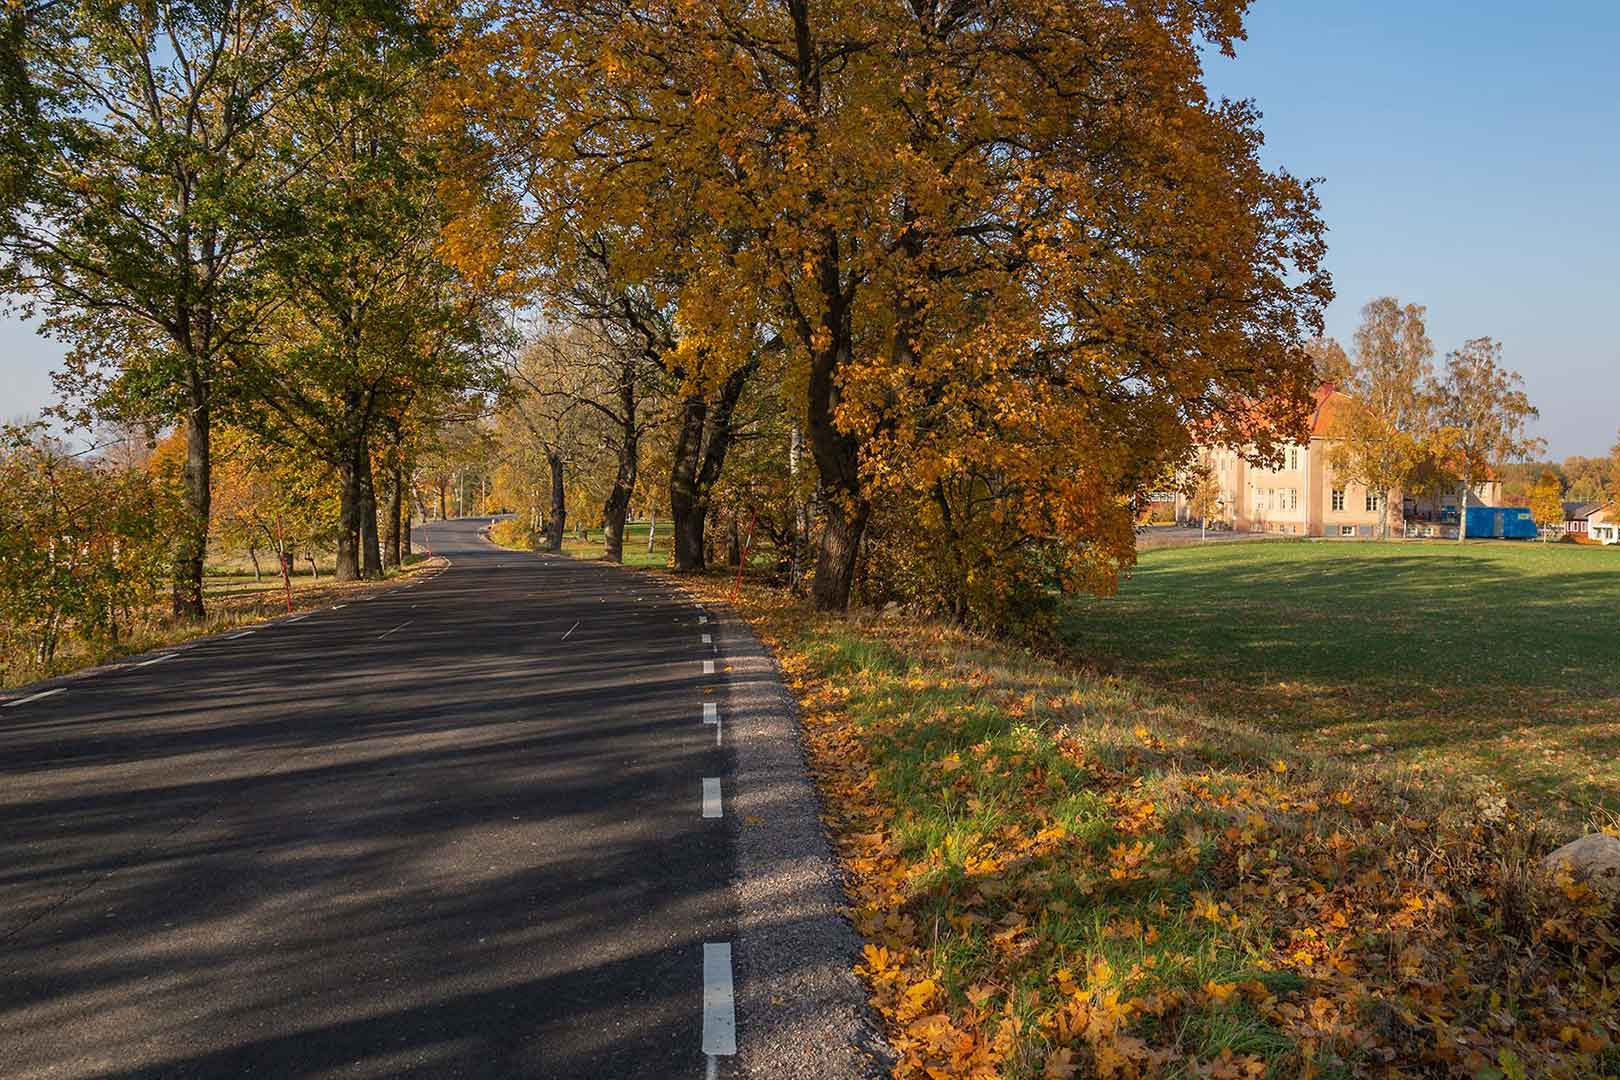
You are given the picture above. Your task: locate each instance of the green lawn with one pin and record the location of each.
(1498, 660)
(635, 545)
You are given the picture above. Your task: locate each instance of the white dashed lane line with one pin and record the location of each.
(708, 667)
(711, 715)
(157, 660)
(708, 639)
(295, 618)
(38, 696)
(571, 629)
(711, 797)
(719, 1003)
(243, 634)
(401, 626)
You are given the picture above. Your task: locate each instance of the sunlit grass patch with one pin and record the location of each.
(1487, 664)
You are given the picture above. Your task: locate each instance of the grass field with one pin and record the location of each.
(1492, 659)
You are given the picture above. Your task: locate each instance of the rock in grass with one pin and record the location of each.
(1595, 856)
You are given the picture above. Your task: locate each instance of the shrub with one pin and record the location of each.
(83, 546)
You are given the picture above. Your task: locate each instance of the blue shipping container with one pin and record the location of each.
(1501, 522)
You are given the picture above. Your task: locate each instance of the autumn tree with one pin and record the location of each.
(541, 416)
(1484, 415)
(1388, 430)
(1329, 361)
(267, 500)
(1547, 503)
(618, 382)
(984, 239)
(150, 188)
(368, 316)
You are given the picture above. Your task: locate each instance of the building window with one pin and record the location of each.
(1338, 498)
(1372, 502)
(1347, 530)
(1293, 498)
(1293, 457)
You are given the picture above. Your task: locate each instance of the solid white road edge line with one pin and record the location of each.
(243, 634)
(708, 667)
(711, 797)
(719, 1002)
(571, 629)
(157, 659)
(58, 690)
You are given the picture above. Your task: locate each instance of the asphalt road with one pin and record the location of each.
(451, 831)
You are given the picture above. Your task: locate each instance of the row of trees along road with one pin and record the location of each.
(230, 213)
(1412, 429)
(985, 266)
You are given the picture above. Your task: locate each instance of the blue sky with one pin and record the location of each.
(1471, 156)
(1471, 159)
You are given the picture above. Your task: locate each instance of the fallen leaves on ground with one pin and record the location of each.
(1063, 875)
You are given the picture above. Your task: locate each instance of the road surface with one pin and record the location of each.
(455, 830)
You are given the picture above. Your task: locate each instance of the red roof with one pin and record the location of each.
(1330, 405)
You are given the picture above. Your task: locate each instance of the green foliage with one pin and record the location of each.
(83, 547)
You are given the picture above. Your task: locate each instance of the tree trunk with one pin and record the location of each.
(350, 510)
(443, 506)
(845, 507)
(191, 547)
(1462, 515)
(559, 505)
(701, 446)
(652, 528)
(686, 506)
(617, 505)
(370, 546)
(841, 533)
(801, 505)
(392, 518)
(405, 531)
(614, 510)
(253, 553)
(734, 547)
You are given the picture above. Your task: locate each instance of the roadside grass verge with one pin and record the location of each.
(1486, 664)
(1063, 874)
(231, 604)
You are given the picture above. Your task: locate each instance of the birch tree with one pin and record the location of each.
(1485, 415)
(1389, 428)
